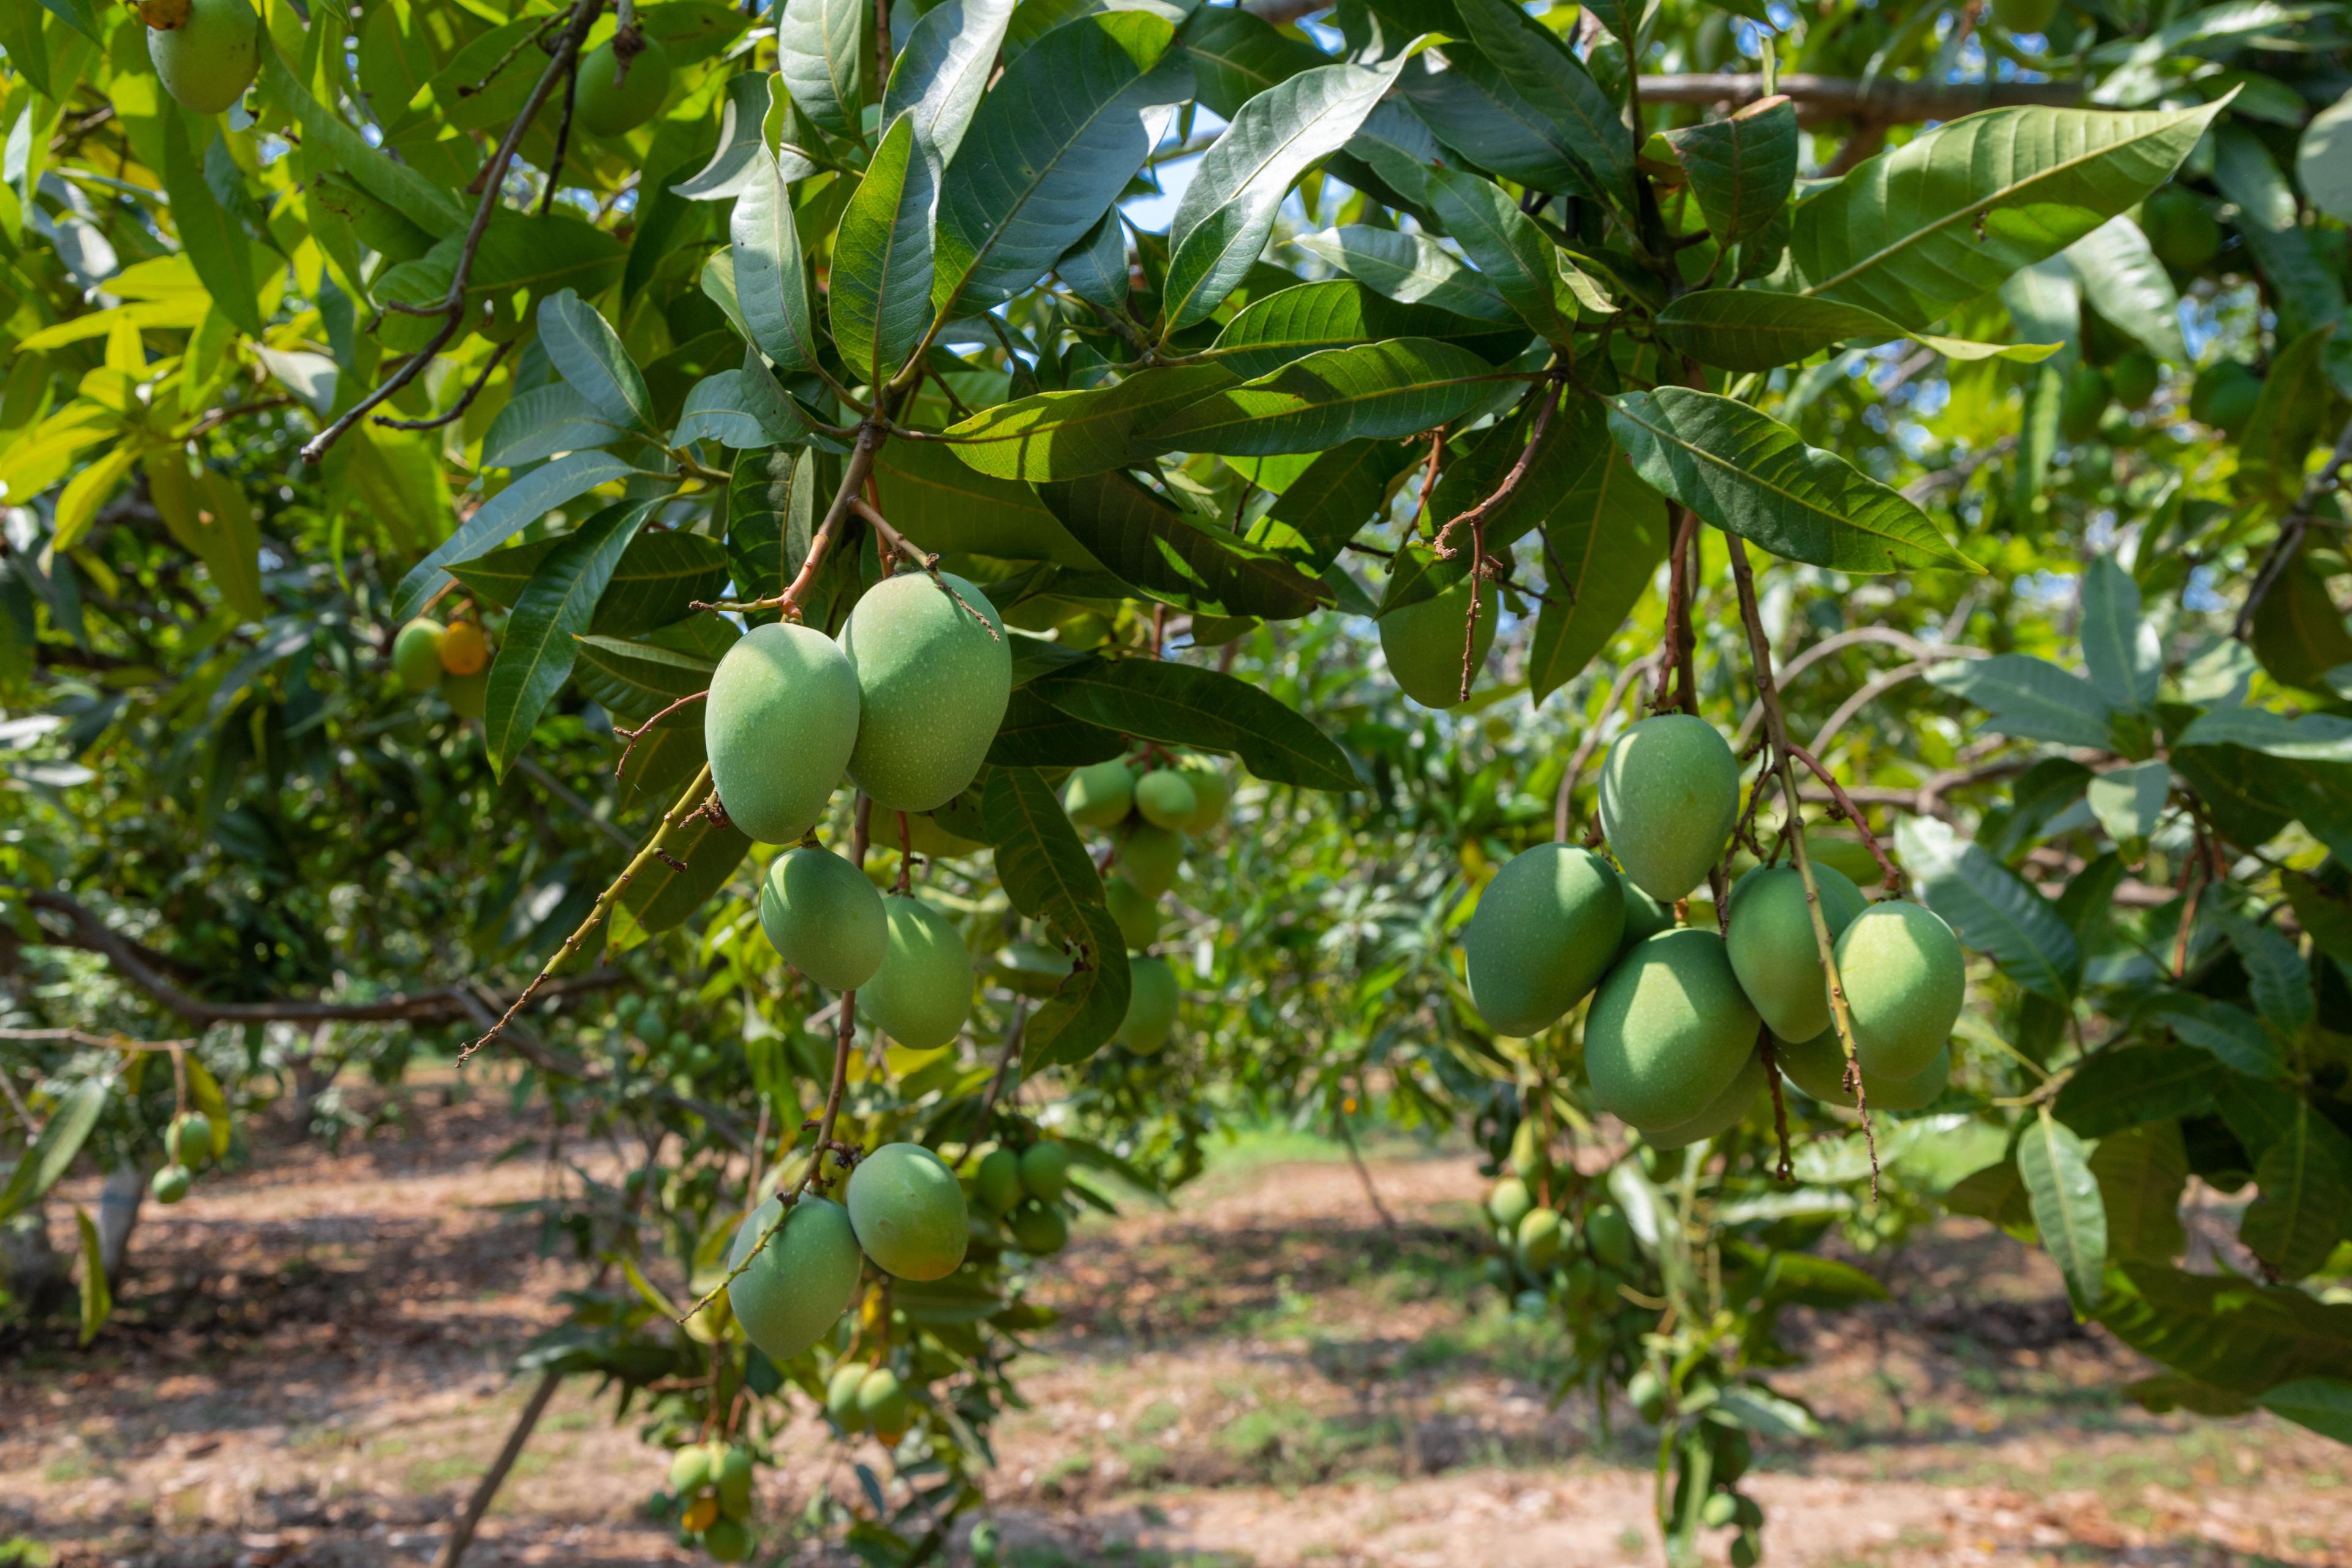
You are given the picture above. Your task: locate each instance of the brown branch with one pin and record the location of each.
(1891, 873)
(634, 736)
(1785, 1170)
(2291, 534)
(473, 390)
(1476, 516)
(853, 475)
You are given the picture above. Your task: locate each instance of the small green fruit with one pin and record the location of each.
(469, 695)
(205, 51)
(1610, 1237)
(801, 1281)
(2135, 378)
(191, 1139)
(1039, 1229)
(690, 1471)
(923, 992)
(1648, 1391)
(1424, 641)
(169, 1185)
(1905, 978)
(1669, 794)
(779, 724)
(416, 655)
(727, 1540)
(1100, 796)
(1509, 1202)
(1539, 1236)
(1669, 1030)
(1545, 932)
(610, 103)
(1722, 1112)
(1527, 1156)
(999, 1180)
(1164, 798)
(909, 1212)
(882, 1402)
(1774, 950)
(1148, 855)
(934, 674)
(841, 1395)
(2182, 230)
(1721, 1508)
(826, 920)
(1151, 1005)
(733, 1474)
(1045, 1171)
(1134, 911)
(1212, 795)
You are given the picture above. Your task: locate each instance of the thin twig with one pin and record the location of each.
(2291, 533)
(853, 475)
(473, 390)
(1785, 1170)
(632, 736)
(928, 561)
(1888, 869)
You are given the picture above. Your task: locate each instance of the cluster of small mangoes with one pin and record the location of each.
(189, 1143)
(455, 657)
(666, 1051)
(710, 1487)
(1671, 1038)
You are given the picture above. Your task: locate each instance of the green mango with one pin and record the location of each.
(1538, 1239)
(841, 1395)
(1148, 855)
(1212, 795)
(882, 1402)
(1668, 1031)
(1547, 928)
(1045, 1171)
(1164, 798)
(169, 1185)
(416, 654)
(1906, 978)
(909, 1212)
(611, 103)
(1151, 1005)
(934, 673)
(690, 1471)
(823, 915)
(779, 724)
(800, 1283)
(205, 51)
(2182, 230)
(1039, 1229)
(1818, 1067)
(1134, 911)
(1509, 1202)
(1100, 796)
(998, 1180)
(1669, 796)
(1721, 1113)
(923, 992)
(1773, 948)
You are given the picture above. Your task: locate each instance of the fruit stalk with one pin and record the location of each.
(853, 476)
(1891, 873)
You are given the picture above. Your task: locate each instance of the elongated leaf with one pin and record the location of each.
(507, 513)
(1036, 734)
(2311, 737)
(1411, 269)
(741, 146)
(1291, 323)
(1049, 150)
(1518, 260)
(1996, 1193)
(2287, 419)
(587, 353)
(436, 209)
(881, 293)
(638, 679)
(2276, 974)
(1096, 267)
(943, 505)
(2306, 1191)
(2029, 698)
(1603, 544)
(2128, 801)
(2123, 280)
(1169, 554)
(942, 70)
(1048, 875)
(2226, 1331)
(1379, 390)
(1478, 114)
(1753, 330)
(1555, 83)
(1237, 56)
(52, 1152)
(2064, 1196)
(662, 896)
(2322, 1403)
(1950, 214)
(2119, 649)
(1335, 495)
(210, 234)
(660, 575)
(96, 1297)
(2230, 1034)
(2323, 160)
(2307, 292)
(1184, 705)
(537, 425)
(772, 288)
(1742, 168)
(1991, 907)
(2135, 1085)
(1068, 435)
(2142, 1173)
(1227, 213)
(536, 655)
(824, 51)
(1748, 474)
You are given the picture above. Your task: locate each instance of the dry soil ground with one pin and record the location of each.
(311, 1367)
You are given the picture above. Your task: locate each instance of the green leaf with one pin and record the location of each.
(638, 679)
(1036, 734)
(2276, 974)
(1334, 496)
(2307, 292)
(741, 146)
(2230, 1034)
(662, 896)
(1555, 83)
(2322, 1403)
(2119, 649)
(1096, 267)
(2029, 698)
(209, 232)
(539, 423)
(2287, 419)
(1047, 875)
(942, 504)
(1741, 168)
(587, 353)
(2142, 1173)
(1050, 149)
(1376, 391)
(329, 143)
(1227, 213)
(2323, 160)
(1996, 1193)
(2064, 1196)
(97, 1300)
(2128, 801)
(2125, 1087)
(2123, 280)
(1237, 56)
(1603, 541)
(1515, 256)
(505, 514)
(1184, 705)
(1755, 330)
(536, 653)
(881, 277)
(1068, 435)
(824, 50)
(1957, 209)
(2324, 913)
(2226, 1331)
(1168, 553)
(1291, 323)
(1478, 114)
(658, 579)
(52, 1152)
(771, 287)
(2304, 1193)
(1748, 474)
(2309, 737)
(941, 72)
(1411, 269)
(1991, 907)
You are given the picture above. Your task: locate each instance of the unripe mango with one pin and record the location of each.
(1668, 1031)
(169, 1185)
(779, 724)
(1905, 979)
(921, 995)
(1818, 1067)
(1669, 795)
(1164, 798)
(1212, 795)
(934, 674)
(690, 1471)
(464, 649)
(841, 1395)
(1529, 1156)
(801, 1281)
(1774, 951)
(999, 1180)
(205, 51)
(731, 1471)
(469, 695)
(1538, 1239)
(612, 104)
(1509, 1203)
(1149, 856)
(1100, 796)
(727, 1540)
(191, 1139)
(1721, 1113)
(1546, 929)
(1610, 1237)
(1644, 917)
(882, 1401)
(909, 1212)
(1423, 643)
(416, 654)
(1039, 1229)
(1134, 911)
(1045, 1171)
(821, 914)
(1151, 1003)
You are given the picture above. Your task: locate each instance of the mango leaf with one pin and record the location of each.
(1478, 114)
(1237, 56)
(2065, 1197)
(536, 655)
(2323, 160)
(2230, 1034)
(2119, 648)
(507, 513)
(1996, 1193)
(587, 353)
(1754, 329)
(881, 277)
(726, 407)
(2128, 801)
(659, 576)
(2309, 737)
(662, 896)
(2029, 698)
(2287, 419)
(1068, 435)
(2142, 1173)
(2127, 1087)
(1047, 875)
(1166, 552)
(1411, 269)
(52, 1152)
(331, 143)
(1035, 734)
(1553, 82)
(1991, 907)
(2123, 280)
(1957, 209)
(2276, 974)
(942, 70)
(547, 420)
(741, 147)
(2322, 1403)
(2307, 293)
(1518, 259)
(1319, 511)
(214, 241)
(1377, 390)
(1291, 323)
(1185, 705)
(1604, 535)
(1748, 474)
(943, 505)
(638, 679)
(771, 282)
(96, 1299)
(1741, 168)
(1227, 213)
(2305, 1182)
(824, 50)
(2226, 1331)
(2324, 913)
(1096, 267)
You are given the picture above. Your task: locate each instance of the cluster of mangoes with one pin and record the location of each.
(1151, 806)
(710, 1485)
(1542, 1254)
(455, 657)
(1672, 1037)
(189, 1143)
(1024, 1191)
(666, 1051)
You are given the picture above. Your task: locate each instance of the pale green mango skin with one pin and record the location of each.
(1668, 1030)
(1509, 1202)
(932, 684)
(1100, 796)
(1045, 1171)
(1644, 917)
(1134, 911)
(1149, 856)
(1774, 951)
(923, 992)
(1164, 798)
(824, 917)
(1151, 1003)
(1211, 796)
(207, 62)
(1669, 795)
(1039, 1229)
(1546, 930)
(778, 725)
(802, 1281)
(1905, 979)
(727, 1540)
(1423, 643)
(609, 105)
(881, 1400)
(909, 1212)
(841, 1395)
(1538, 1238)
(1722, 1114)
(690, 1471)
(416, 654)
(998, 1180)
(1818, 1067)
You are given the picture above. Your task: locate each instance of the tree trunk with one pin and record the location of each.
(117, 1214)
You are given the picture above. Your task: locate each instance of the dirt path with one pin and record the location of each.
(310, 1369)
